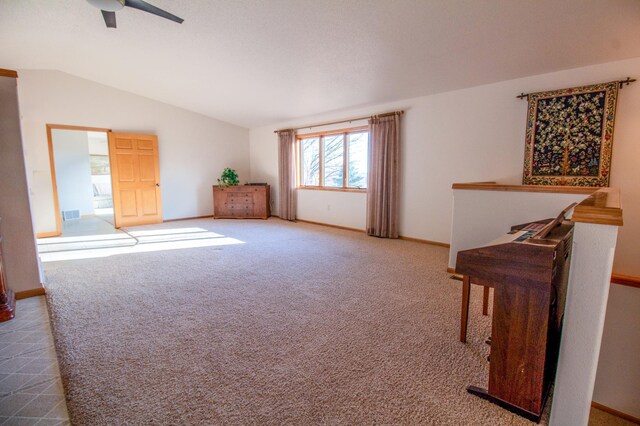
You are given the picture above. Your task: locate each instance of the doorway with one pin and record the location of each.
(82, 191)
(101, 181)
(133, 180)
(81, 174)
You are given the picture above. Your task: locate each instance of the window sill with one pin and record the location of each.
(326, 188)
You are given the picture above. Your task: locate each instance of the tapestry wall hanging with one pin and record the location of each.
(570, 136)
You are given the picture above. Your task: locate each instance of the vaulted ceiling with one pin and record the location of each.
(255, 62)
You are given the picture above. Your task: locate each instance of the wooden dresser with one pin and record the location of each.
(241, 202)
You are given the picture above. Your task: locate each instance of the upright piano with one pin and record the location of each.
(528, 269)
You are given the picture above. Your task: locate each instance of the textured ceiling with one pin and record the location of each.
(254, 62)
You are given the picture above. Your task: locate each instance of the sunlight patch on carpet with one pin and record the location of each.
(95, 246)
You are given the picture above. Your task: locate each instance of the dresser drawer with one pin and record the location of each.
(240, 206)
(240, 198)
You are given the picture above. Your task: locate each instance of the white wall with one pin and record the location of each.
(346, 208)
(618, 377)
(194, 149)
(584, 317)
(73, 170)
(477, 134)
(18, 241)
(476, 221)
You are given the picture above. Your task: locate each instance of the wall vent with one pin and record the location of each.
(70, 214)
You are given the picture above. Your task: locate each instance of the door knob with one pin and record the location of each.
(158, 185)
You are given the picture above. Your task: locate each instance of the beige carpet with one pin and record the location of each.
(299, 324)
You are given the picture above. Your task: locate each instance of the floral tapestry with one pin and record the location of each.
(570, 136)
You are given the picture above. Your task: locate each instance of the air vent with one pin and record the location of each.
(70, 214)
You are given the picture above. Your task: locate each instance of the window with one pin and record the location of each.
(334, 160)
(310, 161)
(99, 164)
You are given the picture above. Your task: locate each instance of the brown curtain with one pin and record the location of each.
(384, 176)
(287, 174)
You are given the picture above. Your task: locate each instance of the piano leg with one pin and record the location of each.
(464, 314)
(484, 394)
(485, 300)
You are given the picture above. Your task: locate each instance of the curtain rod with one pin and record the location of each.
(622, 83)
(386, 114)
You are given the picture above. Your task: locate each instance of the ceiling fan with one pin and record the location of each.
(110, 7)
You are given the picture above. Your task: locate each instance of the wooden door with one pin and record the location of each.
(135, 177)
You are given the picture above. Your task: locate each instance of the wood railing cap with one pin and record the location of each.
(8, 73)
(601, 207)
(493, 186)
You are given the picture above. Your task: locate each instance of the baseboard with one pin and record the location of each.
(188, 218)
(418, 240)
(48, 234)
(30, 293)
(627, 280)
(415, 240)
(616, 413)
(330, 225)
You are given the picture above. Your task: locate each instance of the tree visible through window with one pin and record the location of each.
(358, 155)
(334, 160)
(310, 152)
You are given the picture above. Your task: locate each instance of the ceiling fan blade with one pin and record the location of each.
(146, 7)
(109, 19)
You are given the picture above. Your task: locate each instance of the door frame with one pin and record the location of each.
(54, 182)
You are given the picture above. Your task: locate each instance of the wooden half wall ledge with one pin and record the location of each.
(601, 207)
(8, 73)
(493, 186)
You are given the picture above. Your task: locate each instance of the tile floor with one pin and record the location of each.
(31, 391)
(90, 225)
